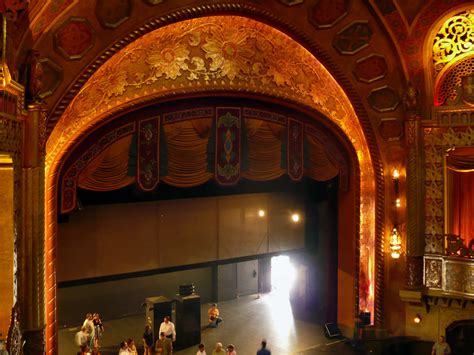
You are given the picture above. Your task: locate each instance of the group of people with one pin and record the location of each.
(87, 339)
(164, 344)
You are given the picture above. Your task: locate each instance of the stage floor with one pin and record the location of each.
(247, 321)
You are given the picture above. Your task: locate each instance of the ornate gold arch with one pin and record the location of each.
(202, 55)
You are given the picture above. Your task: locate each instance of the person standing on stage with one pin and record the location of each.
(148, 340)
(264, 350)
(167, 327)
(163, 345)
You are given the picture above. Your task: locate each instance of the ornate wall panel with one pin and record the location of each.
(450, 275)
(437, 141)
(391, 129)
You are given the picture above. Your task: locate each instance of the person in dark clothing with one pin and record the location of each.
(264, 350)
(148, 340)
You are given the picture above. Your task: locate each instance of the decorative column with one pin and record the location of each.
(415, 242)
(32, 304)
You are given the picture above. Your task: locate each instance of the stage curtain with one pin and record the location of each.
(264, 150)
(461, 159)
(460, 197)
(318, 165)
(462, 203)
(109, 170)
(187, 152)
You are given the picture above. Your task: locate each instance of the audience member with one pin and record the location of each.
(441, 347)
(124, 350)
(264, 350)
(167, 327)
(218, 350)
(163, 345)
(96, 351)
(131, 347)
(89, 324)
(82, 337)
(201, 350)
(231, 349)
(148, 340)
(213, 314)
(98, 328)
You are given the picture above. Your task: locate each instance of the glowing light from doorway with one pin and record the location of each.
(283, 275)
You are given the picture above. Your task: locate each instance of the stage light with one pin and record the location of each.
(261, 213)
(417, 319)
(295, 217)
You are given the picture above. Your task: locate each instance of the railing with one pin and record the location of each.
(449, 274)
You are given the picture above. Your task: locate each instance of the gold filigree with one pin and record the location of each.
(455, 38)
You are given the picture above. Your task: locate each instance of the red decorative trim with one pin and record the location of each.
(295, 155)
(69, 181)
(228, 145)
(148, 154)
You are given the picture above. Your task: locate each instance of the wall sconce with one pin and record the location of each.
(395, 243)
(417, 319)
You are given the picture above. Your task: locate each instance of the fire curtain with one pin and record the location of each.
(460, 192)
(189, 152)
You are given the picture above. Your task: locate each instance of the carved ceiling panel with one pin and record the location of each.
(112, 13)
(52, 76)
(74, 38)
(353, 38)
(383, 99)
(326, 13)
(371, 68)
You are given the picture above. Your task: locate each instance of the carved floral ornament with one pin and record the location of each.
(214, 53)
(454, 39)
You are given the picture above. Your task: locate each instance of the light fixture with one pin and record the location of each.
(261, 213)
(417, 319)
(395, 243)
(398, 203)
(396, 174)
(295, 217)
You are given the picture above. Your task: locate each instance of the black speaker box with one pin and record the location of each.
(188, 321)
(331, 330)
(156, 309)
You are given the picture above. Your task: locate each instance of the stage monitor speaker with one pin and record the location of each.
(156, 309)
(331, 330)
(188, 321)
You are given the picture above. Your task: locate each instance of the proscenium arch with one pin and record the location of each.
(209, 54)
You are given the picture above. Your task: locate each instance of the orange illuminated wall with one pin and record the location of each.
(6, 243)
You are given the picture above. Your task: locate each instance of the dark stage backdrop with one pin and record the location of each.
(113, 239)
